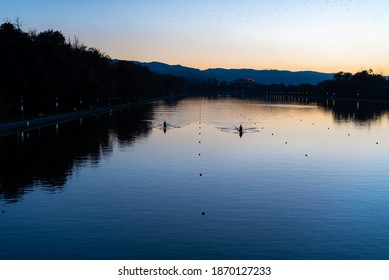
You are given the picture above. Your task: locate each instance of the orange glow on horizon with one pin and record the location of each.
(204, 65)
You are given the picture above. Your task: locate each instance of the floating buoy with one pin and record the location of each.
(199, 141)
(286, 142)
(203, 213)
(306, 155)
(201, 174)
(199, 154)
(376, 142)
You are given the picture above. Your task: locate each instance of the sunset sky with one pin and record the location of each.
(326, 36)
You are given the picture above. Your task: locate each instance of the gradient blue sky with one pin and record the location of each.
(323, 35)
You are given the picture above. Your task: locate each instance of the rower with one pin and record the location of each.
(240, 129)
(164, 126)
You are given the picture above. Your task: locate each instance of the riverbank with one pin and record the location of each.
(34, 123)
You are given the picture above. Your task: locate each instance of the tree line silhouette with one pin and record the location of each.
(362, 85)
(365, 84)
(43, 73)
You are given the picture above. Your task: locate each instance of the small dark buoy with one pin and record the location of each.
(199, 133)
(3, 211)
(199, 154)
(306, 155)
(199, 141)
(201, 174)
(272, 134)
(203, 213)
(328, 128)
(376, 142)
(349, 134)
(286, 142)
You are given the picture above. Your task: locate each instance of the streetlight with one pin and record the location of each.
(56, 103)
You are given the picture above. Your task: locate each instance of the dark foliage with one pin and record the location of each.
(43, 69)
(364, 85)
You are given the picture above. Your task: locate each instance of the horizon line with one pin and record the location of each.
(244, 68)
(256, 69)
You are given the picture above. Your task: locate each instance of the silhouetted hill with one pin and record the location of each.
(269, 76)
(228, 75)
(176, 70)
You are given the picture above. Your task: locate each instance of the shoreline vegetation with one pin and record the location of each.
(43, 76)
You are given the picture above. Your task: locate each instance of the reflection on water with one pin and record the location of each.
(305, 179)
(343, 110)
(48, 156)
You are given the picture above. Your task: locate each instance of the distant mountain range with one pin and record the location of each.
(228, 75)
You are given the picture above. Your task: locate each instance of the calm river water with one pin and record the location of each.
(305, 180)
